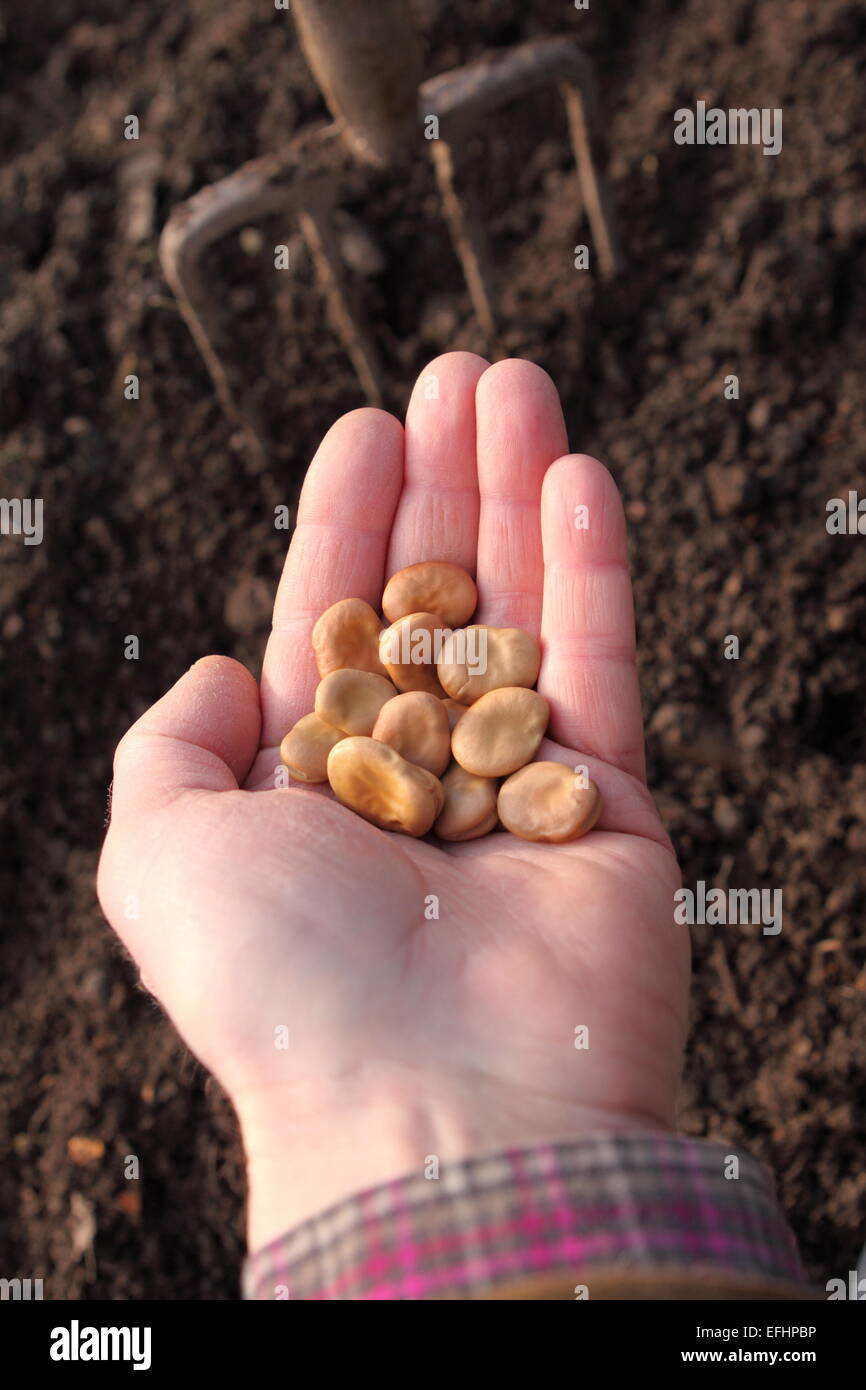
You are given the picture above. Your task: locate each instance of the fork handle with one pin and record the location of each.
(366, 60)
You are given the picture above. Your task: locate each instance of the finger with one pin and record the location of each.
(520, 432)
(338, 551)
(588, 670)
(202, 735)
(437, 517)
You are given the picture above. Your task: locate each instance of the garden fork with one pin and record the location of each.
(366, 61)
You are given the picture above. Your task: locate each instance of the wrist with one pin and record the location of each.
(303, 1158)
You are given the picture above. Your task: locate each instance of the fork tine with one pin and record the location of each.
(251, 192)
(302, 182)
(316, 221)
(470, 243)
(460, 97)
(592, 185)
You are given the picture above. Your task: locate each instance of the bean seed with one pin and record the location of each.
(351, 700)
(546, 802)
(394, 705)
(347, 637)
(380, 785)
(432, 586)
(500, 732)
(512, 657)
(470, 805)
(407, 649)
(306, 746)
(416, 724)
(454, 710)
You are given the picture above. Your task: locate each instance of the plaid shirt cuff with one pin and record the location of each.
(631, 1203)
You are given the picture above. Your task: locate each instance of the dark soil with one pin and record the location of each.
(158, 524)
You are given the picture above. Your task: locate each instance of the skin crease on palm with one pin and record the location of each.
(260, 909)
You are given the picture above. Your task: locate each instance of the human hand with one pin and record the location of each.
(261, 908)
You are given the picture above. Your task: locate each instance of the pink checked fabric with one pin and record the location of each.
(631, 1202)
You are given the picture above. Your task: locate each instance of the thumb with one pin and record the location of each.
(203, 734)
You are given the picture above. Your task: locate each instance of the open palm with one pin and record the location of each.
(368, 1000)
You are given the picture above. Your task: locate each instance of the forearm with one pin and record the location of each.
(609, 1216)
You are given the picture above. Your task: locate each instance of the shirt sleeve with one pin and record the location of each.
(546, 1222)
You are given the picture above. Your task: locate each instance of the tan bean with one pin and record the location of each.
(408, 648)
(500, 732)
(478, 659)
(376, 782)
(351, 700)
(416, 724)
(454, 710)
(470, 805)
(432, 586)
(347, 637)
(306, 746)
(546, 802)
